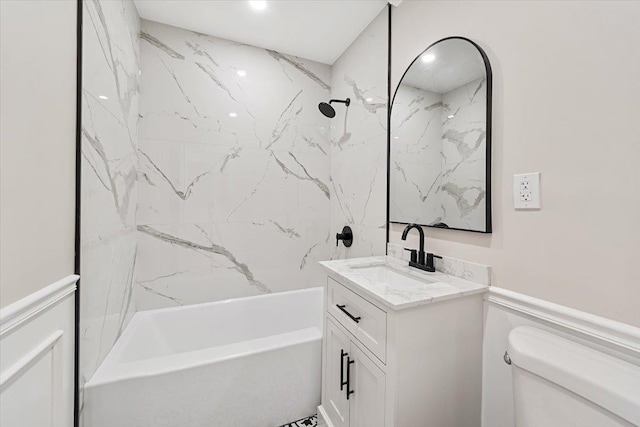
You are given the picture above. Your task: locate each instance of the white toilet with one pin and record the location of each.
(560, 383)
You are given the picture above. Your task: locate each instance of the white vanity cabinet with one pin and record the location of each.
(350, 369)
(412, 366)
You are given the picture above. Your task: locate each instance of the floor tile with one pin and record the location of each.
(311, 421)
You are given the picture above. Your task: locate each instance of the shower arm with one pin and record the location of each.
(342, 101)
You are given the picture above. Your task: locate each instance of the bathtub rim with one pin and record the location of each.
(112, 371)
(269, 295)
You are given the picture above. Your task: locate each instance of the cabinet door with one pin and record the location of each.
(337, 351)
(367, 381)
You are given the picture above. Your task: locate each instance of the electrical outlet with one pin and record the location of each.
(526, 191)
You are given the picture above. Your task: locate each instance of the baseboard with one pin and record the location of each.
(620, 335)
(323, 417)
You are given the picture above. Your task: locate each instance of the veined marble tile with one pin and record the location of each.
(109, 177)
(108, 268)
(229, 206)
(110, 61)
(422, 187)
(358, 147)
(106, 297)
(417, 124)
(359, 186)
(195, 263)
(235, 171)
(416, 160)
(199, 88)
(438, 156)
(463, 184)
(464, 196)
(471, 271)
(192, 182)
(109, 169)
(183, 264)
(109, 117)
(366, 240)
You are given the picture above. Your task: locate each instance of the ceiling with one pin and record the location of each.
(453, 63)
(319, 30)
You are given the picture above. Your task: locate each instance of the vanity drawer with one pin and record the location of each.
(364, 320)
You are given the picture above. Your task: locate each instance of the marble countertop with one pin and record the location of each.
(440, 287)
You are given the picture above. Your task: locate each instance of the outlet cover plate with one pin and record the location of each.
(526, 191)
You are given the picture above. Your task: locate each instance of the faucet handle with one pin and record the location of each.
(430, 258)
(414, 254)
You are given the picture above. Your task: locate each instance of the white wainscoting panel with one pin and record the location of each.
(37, 358)
(505, 310)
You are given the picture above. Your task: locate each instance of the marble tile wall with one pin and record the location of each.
(359, 143)
(234, 188)
(463, 184)
(109, 176)
(208, 171)
(416, 160)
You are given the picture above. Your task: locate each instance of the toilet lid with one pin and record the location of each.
(607, 381)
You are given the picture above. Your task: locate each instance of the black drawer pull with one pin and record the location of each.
(348, 383)
(351, 316)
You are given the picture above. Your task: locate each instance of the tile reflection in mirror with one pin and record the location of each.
(440, 139)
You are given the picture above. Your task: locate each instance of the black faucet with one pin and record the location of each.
(420, 260)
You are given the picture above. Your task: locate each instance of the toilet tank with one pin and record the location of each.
(560, 383)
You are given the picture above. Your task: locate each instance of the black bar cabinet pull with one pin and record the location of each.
(342, 382)
(348, 384)
(351, 316)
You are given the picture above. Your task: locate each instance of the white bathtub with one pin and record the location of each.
(238, 363)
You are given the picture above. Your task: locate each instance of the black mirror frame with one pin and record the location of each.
(487, 65)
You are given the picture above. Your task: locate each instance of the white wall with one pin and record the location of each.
(37, 340)
(566, 104)
(37, 145)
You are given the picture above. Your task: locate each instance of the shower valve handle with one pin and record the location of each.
(346, 236)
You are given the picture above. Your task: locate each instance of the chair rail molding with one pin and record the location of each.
(21, 311)
(619, 335)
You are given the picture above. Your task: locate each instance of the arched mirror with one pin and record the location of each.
(440, 139)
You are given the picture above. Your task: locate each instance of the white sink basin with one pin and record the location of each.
(391, 276)
(392, 283)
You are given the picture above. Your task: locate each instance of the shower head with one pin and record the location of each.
(328, 110)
